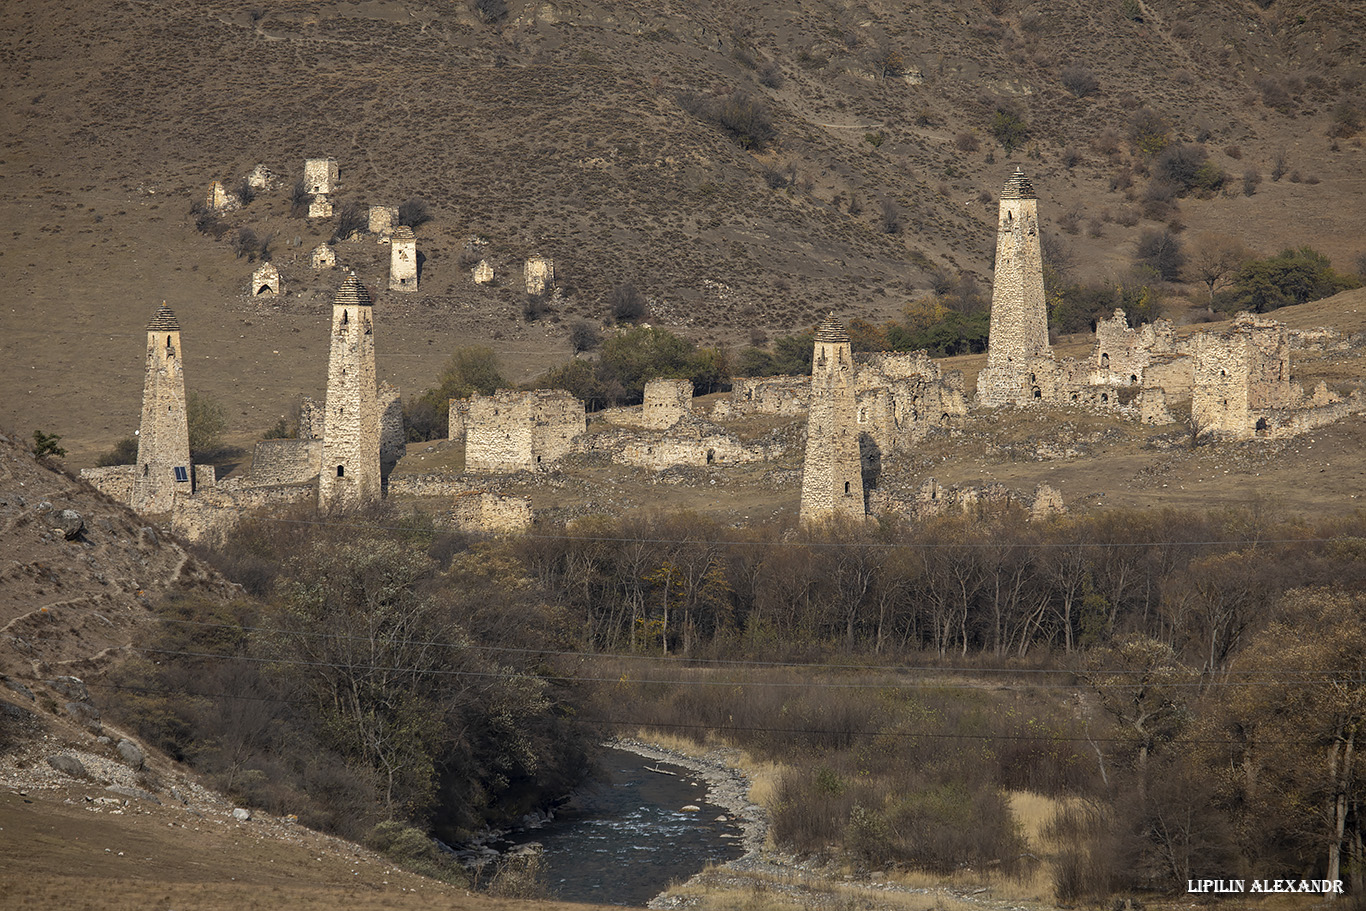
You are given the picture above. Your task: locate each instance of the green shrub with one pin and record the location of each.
(1290, 277)
(1009, 129)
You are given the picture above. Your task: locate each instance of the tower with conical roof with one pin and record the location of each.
(163, 467)
(1019, 314)
(832, 474)
(350, 472)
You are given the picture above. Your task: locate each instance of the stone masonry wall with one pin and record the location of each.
(666, 403)
(481, 511)
(114, 481)
(832, 475)
(521, 431)
(393, 437)
(286, 461)
(320, 175)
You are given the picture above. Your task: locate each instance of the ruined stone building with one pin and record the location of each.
(666, 403)
(482, 274)
(832, 474)
(517, 431)
(901, 397)
(350, 472)
(1019, 313)
(217, 199)
(320, 207)
(322, 257)
(403, 260)
(265, 280)
(538, 274)
(483, 511)
(320, 176)
(383, 220)
(783, 395)
(163, 466)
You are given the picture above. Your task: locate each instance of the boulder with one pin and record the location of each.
(71, 687)
(132, 754)
(67, 765)
(18, 687)
(134, 793)
(85, 714)
(68, 522)
(240, 814)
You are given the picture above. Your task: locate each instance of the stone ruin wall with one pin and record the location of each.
(425, 485)
(900, 398)
(1122, 355)
(114, 481)
(781, 395)
(276, 462)
(481, 511)
(666, 403)
(322, 257)
(209, 514)
(1239, 371)
(932, 499)
(393, 436)
(658, 451)
(382, 221)
(521, 431)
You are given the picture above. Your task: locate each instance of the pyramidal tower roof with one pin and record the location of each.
(352, 294)
(832, 330)
(1018, 187)
(164, 320)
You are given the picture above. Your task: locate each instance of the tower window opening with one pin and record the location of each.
(846, 488)
(341, 471)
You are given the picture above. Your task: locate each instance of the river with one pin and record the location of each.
(627, 838)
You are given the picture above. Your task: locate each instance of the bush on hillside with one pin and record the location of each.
(1290, 277)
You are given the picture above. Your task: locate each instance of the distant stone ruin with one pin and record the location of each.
(539, 274)
(403, 260)
(832, 474)
(321, 176)
(383, 220)
(218, 199)
(322, 257)
(320, 207)
(666, 403)
(482, 273)
(481, 511)
(261, 178)
(517, 431)
(265, 280)
(1242, 387)
(933, 499)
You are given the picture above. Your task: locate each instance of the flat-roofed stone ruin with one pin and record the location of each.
(482, 273)
(321, 176)
(517, 431)
(320, 207)
(265, 280)
(218, 199)
(933, 499)
(403, 260)
(538, 274)
(261, 178)
(382, 222)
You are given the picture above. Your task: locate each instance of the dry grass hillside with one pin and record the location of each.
(587, 131)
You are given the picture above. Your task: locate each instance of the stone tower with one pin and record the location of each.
(403, 260)
(350, 471)
(163, 467)
(1019, 315)
(832, 475)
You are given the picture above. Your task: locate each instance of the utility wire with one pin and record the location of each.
(1325, 676)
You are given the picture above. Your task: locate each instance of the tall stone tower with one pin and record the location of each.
(163, 467)
(350, 471)
(832, 475)
(1019, 314)
(403, 260)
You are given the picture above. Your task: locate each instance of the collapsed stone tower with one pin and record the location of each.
(320, 175)
(163, 467)
(539, 274)
(1019, 315)
(403, 260)
(832, 475)
(350, 472)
